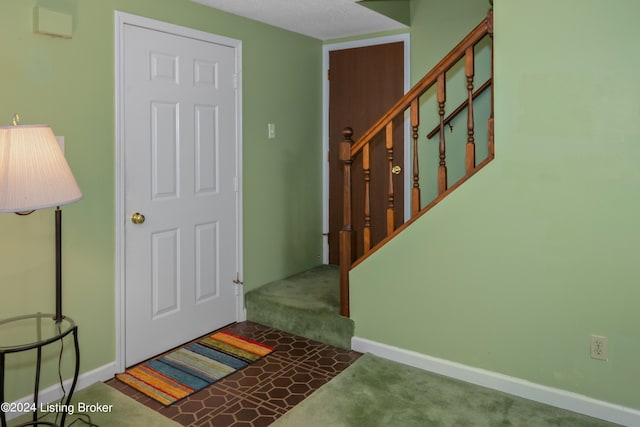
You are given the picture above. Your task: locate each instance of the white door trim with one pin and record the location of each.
(122, 19)
(394, 38)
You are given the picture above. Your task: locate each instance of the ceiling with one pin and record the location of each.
(321, 19)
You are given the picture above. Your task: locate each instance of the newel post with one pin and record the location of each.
(347, 230)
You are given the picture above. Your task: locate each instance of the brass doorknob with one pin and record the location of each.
(396, 170)
(137, 218)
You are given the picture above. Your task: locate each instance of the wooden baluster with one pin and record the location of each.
(391, 213)
(490, 136)
(415, 191)
(346, 232)
(366, 166)
(490, 124)
(471, 146)
(442, 169)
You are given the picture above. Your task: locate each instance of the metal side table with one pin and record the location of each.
(34, 331)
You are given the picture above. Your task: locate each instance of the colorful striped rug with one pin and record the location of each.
(176, 375)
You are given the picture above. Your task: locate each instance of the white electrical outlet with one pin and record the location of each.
(271, 130)
(598, 347)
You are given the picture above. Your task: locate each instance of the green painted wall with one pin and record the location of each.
(516, 269)
(399, 10)
(69, 84)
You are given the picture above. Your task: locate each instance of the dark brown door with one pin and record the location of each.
(364, 83)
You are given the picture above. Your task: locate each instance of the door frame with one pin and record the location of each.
(121, 20)
(326, 49)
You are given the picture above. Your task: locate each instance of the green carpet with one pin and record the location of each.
(124, 412)
(378, 392)
(306, 304)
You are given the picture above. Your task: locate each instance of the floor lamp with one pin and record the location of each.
(34, 174)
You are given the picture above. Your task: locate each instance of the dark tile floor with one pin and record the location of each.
(262, 392)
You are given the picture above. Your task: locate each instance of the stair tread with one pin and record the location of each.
(314, 289)
(306, 304)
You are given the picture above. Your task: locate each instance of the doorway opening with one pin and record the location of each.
(329, 137)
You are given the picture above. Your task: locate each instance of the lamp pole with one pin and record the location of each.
(58, 316)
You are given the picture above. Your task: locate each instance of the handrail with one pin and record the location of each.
(384, 126)
(477, 34)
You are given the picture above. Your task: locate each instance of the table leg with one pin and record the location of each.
(75, 375)
(37, 383)
(3, 418)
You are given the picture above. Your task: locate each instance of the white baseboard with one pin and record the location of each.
(53, 393)
(515, 386)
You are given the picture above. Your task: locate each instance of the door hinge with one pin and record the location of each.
(235, 81)
(328, 74)
(237, 280)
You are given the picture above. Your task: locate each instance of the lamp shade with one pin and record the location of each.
(33, 171)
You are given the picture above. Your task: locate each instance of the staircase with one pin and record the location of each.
(306, 304)
(315, 303)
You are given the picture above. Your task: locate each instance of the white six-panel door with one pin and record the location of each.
(180, 173)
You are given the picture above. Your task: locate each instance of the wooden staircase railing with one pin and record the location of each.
(409, 106)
